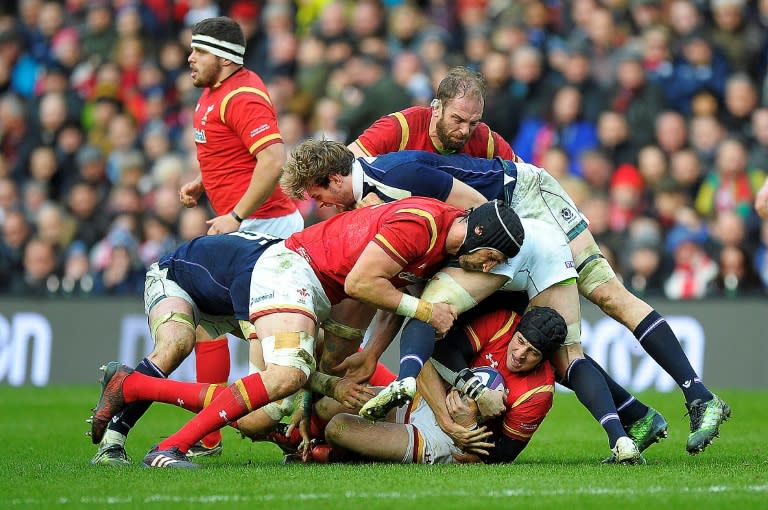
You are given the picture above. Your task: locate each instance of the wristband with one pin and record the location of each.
(410, 306)
(236, 216)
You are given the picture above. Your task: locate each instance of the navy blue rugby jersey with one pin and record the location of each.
(216, 270)
(418, 173)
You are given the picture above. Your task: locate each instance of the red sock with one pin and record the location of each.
(316, 427)
(382, 376)
(234, 402)
(191, 396)
(212, 361)
(212, 366)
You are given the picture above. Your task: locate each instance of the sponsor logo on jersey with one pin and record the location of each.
(529, 426)
(259, 130)
(262, 297)
(569, 264)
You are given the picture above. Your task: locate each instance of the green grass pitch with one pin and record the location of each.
(44, 458)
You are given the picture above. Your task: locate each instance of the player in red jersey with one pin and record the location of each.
(424, 431)
(234, 122)
(241, 153)
(451, 124)
(366, 254)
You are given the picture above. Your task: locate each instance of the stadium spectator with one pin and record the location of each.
(634, 96)
(694, 270)
(741, 99)
(124, 273)
(16, 231)
(706, 135)
(671, 131)
(737, 276)
(38, 277)
(731, 186)
(563, 126)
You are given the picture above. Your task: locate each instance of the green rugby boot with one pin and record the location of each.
(706, 418)
(648, 430)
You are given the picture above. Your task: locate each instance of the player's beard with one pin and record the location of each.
(207, 77)
(450, 143)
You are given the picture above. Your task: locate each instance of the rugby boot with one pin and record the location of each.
(396, 394)
(706, 418)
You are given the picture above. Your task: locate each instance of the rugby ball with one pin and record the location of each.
(490, 377)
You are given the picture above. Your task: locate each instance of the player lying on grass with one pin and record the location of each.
(328, 172)
(366, 254)
(497, 343)
(451, 125)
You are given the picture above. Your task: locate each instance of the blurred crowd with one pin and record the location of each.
(653, 114)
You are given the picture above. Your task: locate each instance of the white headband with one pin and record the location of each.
(223, 49)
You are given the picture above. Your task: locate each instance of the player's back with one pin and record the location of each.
(211, 268)
(420, 173)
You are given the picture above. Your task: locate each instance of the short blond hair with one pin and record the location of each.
(311, 163)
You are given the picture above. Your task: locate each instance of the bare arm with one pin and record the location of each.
(368, 281)
(344, 391)
(360, 365)
(356, 150)
(464, 196)
(264, 179)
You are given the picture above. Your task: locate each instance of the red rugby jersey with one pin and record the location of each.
(232, 122)
(531, 393)
(409, 130)
(412, 231)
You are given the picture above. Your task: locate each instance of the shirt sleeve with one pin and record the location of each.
(381, 137)
(250, 115)
(484, 328)
(502, 148)
(524, 418)
(407, 236)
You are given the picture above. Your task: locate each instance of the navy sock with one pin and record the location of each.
(592, 391)
(629, 407)
(661, 344)
(416, 345)
(127, 418)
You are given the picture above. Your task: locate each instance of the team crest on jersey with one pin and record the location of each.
(567, 214)
(303, 295)
(204, 120)
(569, 264)
(200, 135)
(492, 362)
